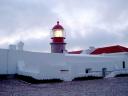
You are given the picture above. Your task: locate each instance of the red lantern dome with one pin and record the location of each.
(57, 26)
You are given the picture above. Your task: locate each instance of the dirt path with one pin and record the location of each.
(102, 87)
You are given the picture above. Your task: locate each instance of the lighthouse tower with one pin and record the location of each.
(58, 36)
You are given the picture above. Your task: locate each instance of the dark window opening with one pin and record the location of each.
(123, 64)
(64, 70)
(62, 51)
(104, 70)
(87, 70)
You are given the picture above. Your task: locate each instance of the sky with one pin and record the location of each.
(97, 23)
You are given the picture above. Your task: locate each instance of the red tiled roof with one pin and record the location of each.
(110, 49)
(75, 52)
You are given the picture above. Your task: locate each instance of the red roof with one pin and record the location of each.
(110, 49)
(57, 26)
(75, 52)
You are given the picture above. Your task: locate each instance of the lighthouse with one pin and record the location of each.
(58, 36)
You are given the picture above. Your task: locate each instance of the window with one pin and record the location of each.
(58, 33)
(63, 70)
(87, 70)
(123, 64)
(104, 70)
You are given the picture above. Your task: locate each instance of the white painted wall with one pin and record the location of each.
(3, 61)
(48, 66)
(57, 66)
(8, 61)
(42, 65)
(79, 63)
(12, 61)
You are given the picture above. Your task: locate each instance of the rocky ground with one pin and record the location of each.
(102, 87)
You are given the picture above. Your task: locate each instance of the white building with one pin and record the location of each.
(60, 65)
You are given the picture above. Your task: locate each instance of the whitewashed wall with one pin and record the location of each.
(12, 61)
(42, 65)
(8, 61)
(3, 61)
(49, 66)
(79, 64)
(57, 66)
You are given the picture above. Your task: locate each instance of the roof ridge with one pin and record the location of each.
(110, 49)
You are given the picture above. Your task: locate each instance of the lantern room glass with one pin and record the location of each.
(58, 33)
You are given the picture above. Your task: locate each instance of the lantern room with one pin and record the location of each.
(58, 36)
(58, 30)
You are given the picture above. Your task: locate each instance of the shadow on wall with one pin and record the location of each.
(35, 81)
(3, 77)
(31, 80)
(86, 78)
(122, 75)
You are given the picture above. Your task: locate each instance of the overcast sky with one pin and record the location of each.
(87, 23)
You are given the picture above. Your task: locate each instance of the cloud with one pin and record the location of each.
(86, 22)
(19, 14)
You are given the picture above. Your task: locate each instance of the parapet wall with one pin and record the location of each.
(57, 66)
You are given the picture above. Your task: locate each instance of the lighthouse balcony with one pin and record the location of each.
(58, 40)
